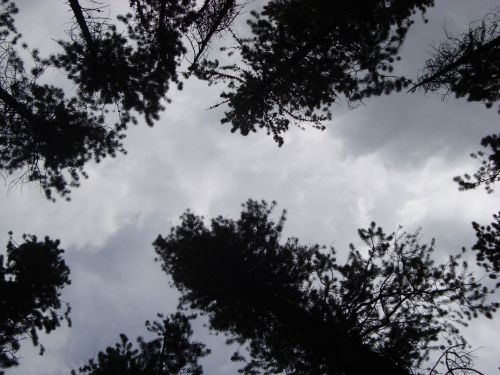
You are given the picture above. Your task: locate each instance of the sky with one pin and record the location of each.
(391, 161)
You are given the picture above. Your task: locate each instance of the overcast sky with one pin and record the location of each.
(390, 161)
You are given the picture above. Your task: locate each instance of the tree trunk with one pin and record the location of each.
(82, 23)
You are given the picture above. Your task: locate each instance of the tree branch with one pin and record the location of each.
(462, 60)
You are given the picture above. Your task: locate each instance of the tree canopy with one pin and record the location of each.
(299, 57)
(303, 55)
(44, 136)
(302, 312)
(296, 307)
(467, 65)
(32, 276)
(132, 70)
(171, 352)
(49, 138)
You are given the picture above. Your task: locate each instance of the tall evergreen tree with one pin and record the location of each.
(303, 55)
(44, 136)
(48, 138)
(32, 276)
(301, 312)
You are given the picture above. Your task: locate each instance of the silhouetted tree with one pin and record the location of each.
(304, 55)
(301, 312)
(489, 171)
(467, 65)
(171, 353)
(31, 279)
(300, 57)
(44, 136)
(488, 236)
(134, 69)
(48, 138)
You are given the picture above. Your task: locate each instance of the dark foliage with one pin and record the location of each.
(488, 236)
(488, 246)
(31, 279)
(171, 353)
(301, 57)
(302, 312)
(132, 70)
(489, 172)
(48, 138)
(44, 136)
(304, 55)
(467, 65)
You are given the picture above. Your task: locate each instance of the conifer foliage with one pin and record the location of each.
(302, 312)
(489, 171)
(44, 136)
(488, 246)
(297, 59)
(304, 55)
(49, 138)
(171, 352)
(32, 276)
